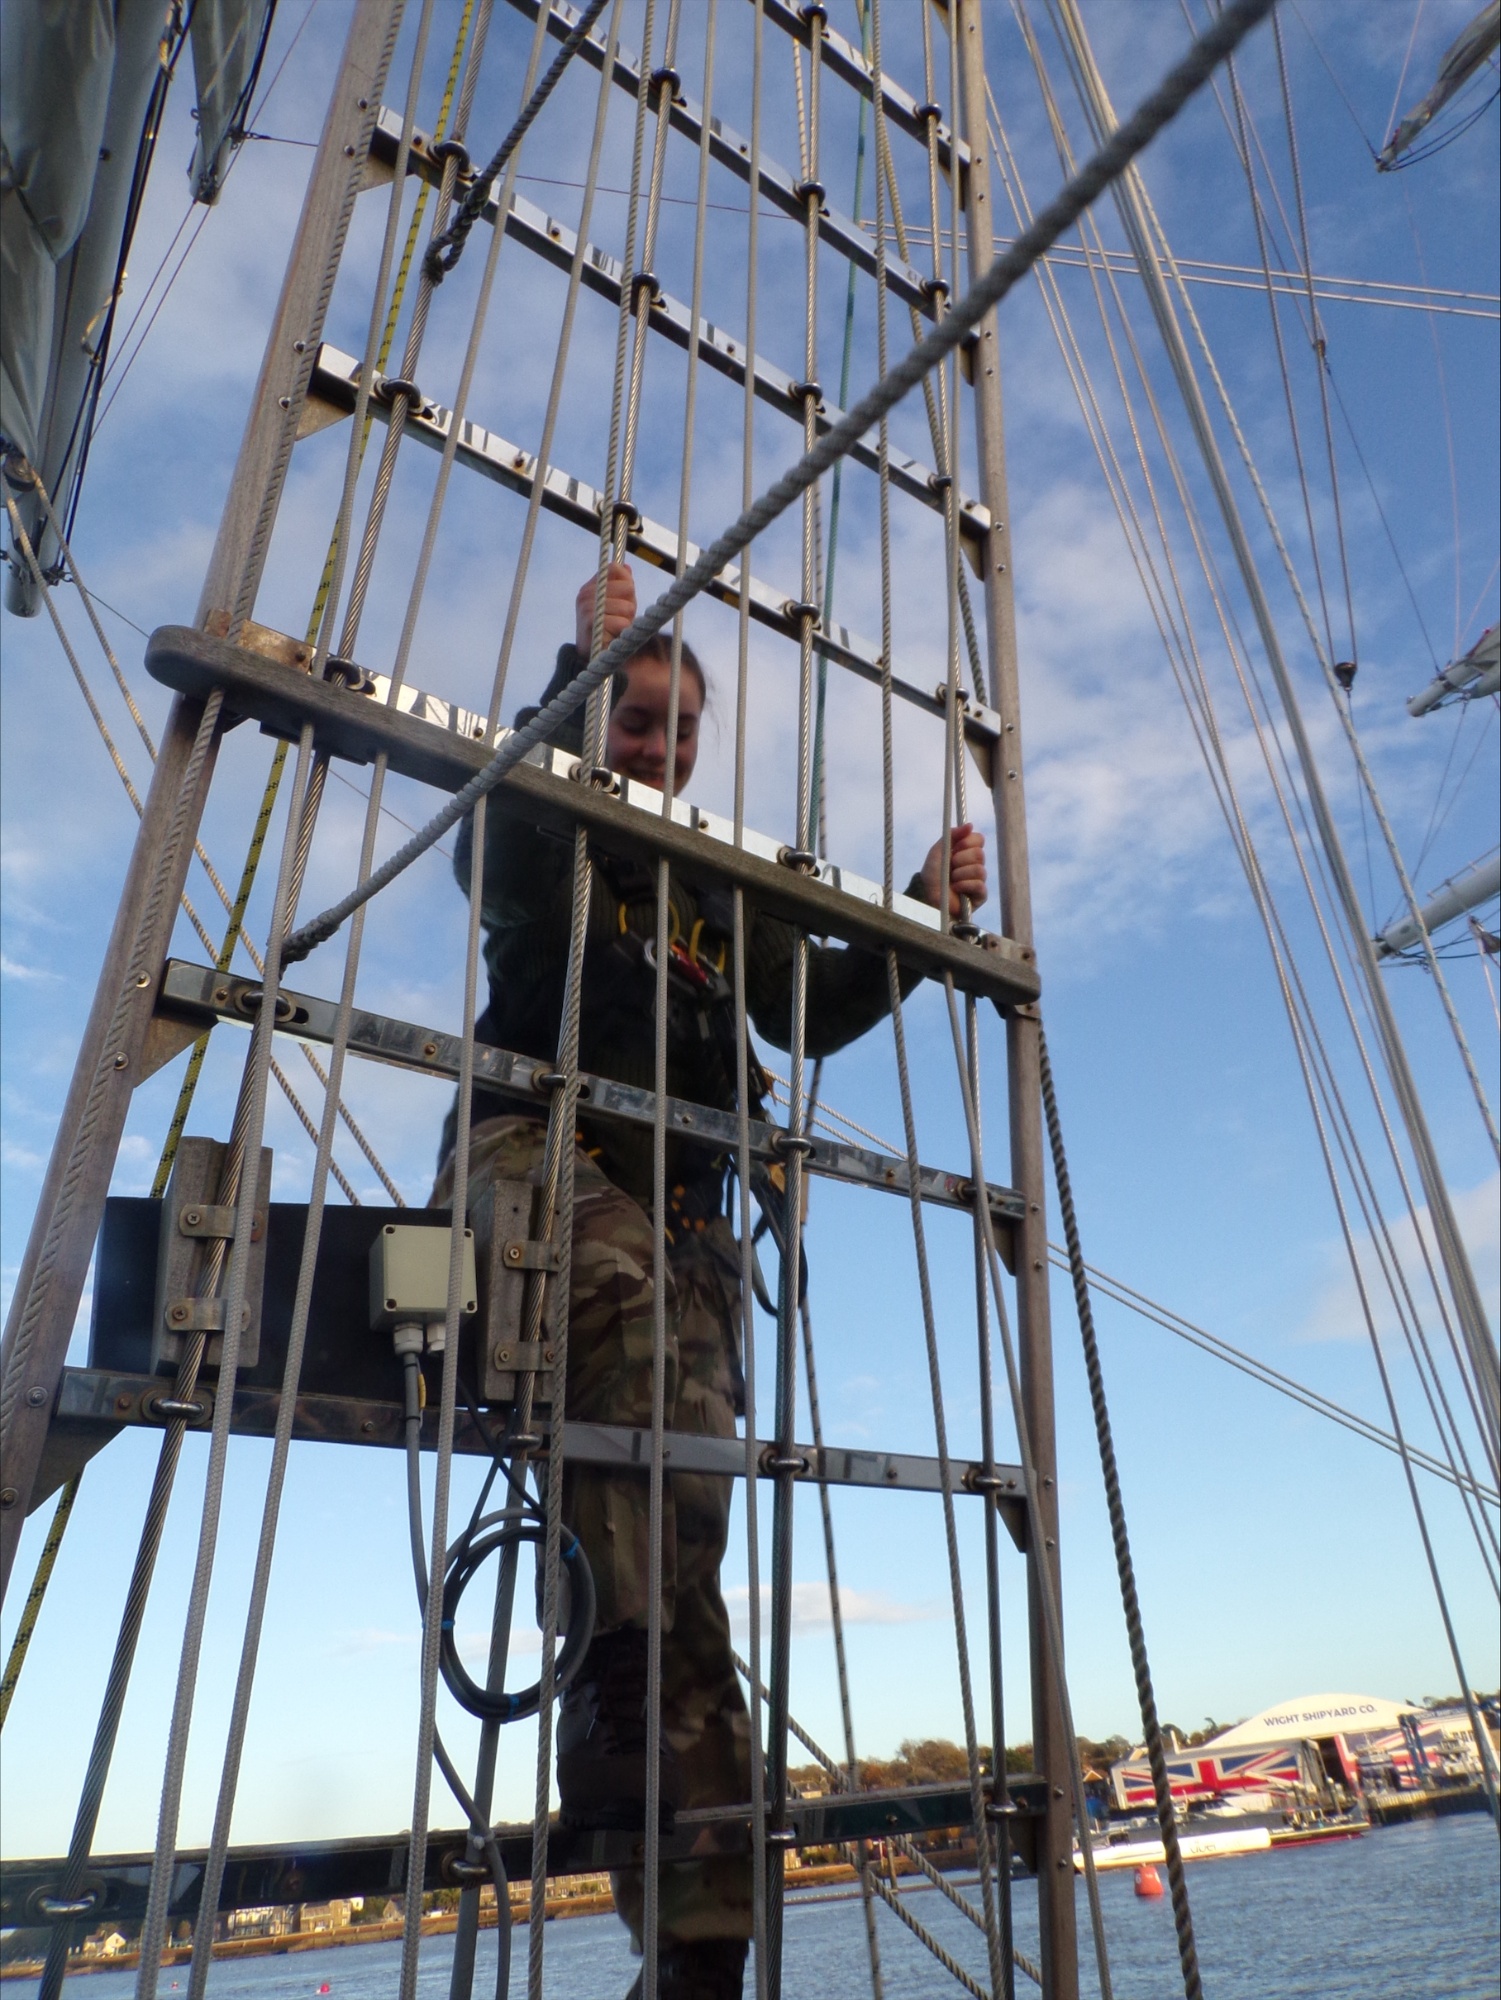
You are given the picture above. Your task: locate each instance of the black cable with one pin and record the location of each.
(483, 1536)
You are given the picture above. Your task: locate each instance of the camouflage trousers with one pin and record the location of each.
(609, 1381)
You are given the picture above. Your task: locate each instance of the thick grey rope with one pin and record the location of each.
(1188, 1956)
(445, 250)
(1106, 166)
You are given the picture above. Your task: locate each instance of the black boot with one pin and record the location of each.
(706, 1969)
(602, 1740)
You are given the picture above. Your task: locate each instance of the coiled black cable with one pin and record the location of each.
(485, 1535)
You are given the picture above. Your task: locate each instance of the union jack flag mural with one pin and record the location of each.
(1200, 1775)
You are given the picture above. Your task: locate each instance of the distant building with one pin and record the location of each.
(1311, 1751)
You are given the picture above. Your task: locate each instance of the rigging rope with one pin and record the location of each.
(1220, 777)
(1188, 1955)
(1239, 831)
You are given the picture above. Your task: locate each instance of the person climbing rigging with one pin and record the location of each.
(704, 1904)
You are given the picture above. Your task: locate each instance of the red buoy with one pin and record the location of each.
(1148, 1881)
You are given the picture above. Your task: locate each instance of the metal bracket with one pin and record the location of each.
(194, 1315)
(526, 1256)
(192, 1223)
(525, 1357)
(206, 1220)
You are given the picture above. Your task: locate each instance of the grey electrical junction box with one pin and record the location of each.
(409, 1276)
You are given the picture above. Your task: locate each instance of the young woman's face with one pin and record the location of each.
(637, 745)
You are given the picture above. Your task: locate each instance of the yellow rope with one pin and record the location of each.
(34, 1596)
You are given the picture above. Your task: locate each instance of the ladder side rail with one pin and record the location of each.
(1052, 1750)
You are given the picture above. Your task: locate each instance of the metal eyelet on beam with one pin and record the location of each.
(783, 1143)
(798, 858)
(668, 75)
(458, 152)
(545, 1080)
(392, 386)
(458, 1869)
(810, 190)
(781, 1836)
(936, 288)
(68, 1906)
(624, 510)
(794, 609)
(599, 777)
(345, 673)
(813, 11)
(251, 999)
(929, 111)
(940, 482)
(175, 1408)
(978, 1480)
(965, 932)
(644, 281)
(803, 392)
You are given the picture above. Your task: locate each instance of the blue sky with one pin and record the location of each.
(1276, 1553)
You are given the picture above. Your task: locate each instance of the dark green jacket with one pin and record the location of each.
(527, 909)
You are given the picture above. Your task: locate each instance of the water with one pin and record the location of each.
(1408, 1913)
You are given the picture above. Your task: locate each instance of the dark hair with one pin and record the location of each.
(659, 647)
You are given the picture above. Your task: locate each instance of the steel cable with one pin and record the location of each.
(760, 1926)
(998, 1971)
(1237, 651)
(1149, 243)
(253, 1099)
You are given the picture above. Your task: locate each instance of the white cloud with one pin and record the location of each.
(1336, 1314)
(11, 968)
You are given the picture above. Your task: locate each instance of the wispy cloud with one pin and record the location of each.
(1335, 1312)
(11, 968)
(811, 1610)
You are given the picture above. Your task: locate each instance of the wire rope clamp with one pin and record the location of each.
(195, 1228)
(409, 1264)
